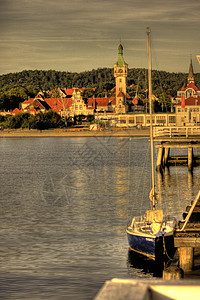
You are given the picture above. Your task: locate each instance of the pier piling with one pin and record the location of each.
(190, 158)
(164, 159)
(186, 258)
(159, 158)
(172, 273)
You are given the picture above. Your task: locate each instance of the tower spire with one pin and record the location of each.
(120, 74)
(191, 73)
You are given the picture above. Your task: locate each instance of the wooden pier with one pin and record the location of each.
(187, 237)
(177, 138)
(164, 159)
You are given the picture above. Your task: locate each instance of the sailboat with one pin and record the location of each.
(152, 234)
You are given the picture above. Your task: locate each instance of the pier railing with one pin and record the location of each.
(171, 132)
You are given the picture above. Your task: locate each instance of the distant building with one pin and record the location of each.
(190, 90)
(120, 74)
(137, 104)
(188, 102)
(78, 106)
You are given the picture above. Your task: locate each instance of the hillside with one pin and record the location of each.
(17, 87)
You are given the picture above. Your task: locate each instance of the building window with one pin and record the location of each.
(172, 119)
(120, 80)
(80, 107)
(132, 120)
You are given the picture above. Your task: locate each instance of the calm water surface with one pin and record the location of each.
(65, 203)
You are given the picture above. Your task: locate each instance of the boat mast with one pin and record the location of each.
(151, 126)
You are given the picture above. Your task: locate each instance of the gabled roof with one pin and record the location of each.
(190, 85)
(38, 104)
(193, 86)
(120, 94)
(16, 111)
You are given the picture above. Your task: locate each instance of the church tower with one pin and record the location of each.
(191, 74)
(120, 74)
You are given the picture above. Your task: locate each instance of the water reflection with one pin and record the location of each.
(177, 187)
(144, 265)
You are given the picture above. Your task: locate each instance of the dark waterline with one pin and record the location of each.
(65, 204)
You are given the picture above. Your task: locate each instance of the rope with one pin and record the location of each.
(165, 250)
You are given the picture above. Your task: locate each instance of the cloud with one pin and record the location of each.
(87, 27)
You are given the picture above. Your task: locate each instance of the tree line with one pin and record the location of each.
(17, 87)
(41, 121)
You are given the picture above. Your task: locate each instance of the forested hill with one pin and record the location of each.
(16, 87)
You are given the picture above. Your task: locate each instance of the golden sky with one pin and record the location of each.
(79, 35)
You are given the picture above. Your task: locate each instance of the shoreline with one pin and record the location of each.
(66, 133)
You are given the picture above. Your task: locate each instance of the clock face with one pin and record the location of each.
(120, 70)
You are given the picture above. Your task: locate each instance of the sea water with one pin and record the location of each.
(64, 207)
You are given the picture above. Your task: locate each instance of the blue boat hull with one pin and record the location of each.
(142, 244)
(152, 247)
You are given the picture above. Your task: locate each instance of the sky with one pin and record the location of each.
(81, 35)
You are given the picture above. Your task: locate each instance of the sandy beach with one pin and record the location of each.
(144, 132)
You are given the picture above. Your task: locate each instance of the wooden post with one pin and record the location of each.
(186, 258)
(159, 158)
(166, 156)
(190, 158)
(172, 273)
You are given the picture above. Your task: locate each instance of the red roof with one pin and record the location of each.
(56, 109)
(91, 102)
(102, 101)
(120, 94)
(69, 92)
(135, 101)
(28, 101)
(191, 85)
(16, 111)
(59, 103)
(191, 101)
(113, 102)
(33, 110)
